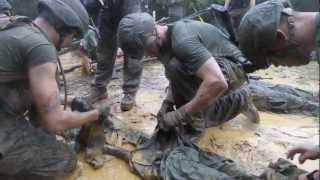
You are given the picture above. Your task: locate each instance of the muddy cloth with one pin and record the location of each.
(109, 19)
(192, 44)
(283, 99)
(281, 170)
(30, 153)
(170, 157)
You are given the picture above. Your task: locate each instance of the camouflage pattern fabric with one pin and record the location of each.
(282, 170)
(168, 156)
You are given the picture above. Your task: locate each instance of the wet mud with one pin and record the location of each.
(252, 146)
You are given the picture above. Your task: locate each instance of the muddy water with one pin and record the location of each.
(252, 146)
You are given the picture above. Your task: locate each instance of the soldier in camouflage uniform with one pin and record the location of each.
(109, 18)
(272, 34)
(205, 81)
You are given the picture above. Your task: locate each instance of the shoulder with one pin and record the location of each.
(27, 36)
(34, 45)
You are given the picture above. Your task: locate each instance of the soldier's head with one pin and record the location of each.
(68, 18)
(138, 31)
(270, 33)
(5, 8)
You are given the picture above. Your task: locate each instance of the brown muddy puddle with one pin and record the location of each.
(252, 146)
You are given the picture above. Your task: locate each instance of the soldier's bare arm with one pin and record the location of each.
(212, 87)
(45, 93)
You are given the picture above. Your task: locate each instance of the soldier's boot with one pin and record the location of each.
(97, 94)
(128, 101)
(250, 111)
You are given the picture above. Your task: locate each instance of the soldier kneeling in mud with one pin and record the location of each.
(30, 111)
(200, 63)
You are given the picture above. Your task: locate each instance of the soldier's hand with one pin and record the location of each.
(172, 119)
(81, 104)
(305, 152)
(104, 112)
(167, 106)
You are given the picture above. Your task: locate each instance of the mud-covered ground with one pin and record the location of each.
(252, 146)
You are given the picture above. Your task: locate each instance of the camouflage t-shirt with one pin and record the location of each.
(21, 48)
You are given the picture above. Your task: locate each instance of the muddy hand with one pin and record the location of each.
(166, 107)
(172, 119)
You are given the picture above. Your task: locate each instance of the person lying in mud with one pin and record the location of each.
(29, 93)
(199, 60)
(269, 34)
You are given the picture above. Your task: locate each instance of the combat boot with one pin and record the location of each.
(97, 94)
(128, 101)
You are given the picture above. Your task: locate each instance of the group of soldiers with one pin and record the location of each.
(207, 72)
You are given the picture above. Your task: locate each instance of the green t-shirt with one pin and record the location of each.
(192, 43)
(20, 49)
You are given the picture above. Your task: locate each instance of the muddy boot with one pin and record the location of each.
(95, 143)
(251, 112)
(97, 94)
(128, 101)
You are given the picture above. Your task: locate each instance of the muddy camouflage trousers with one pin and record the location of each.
(169, 156)
(109, 19)
(184, 86)
(30, 153)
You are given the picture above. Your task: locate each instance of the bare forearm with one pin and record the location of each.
(207, 94)
(69, 119)
(212, 87)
